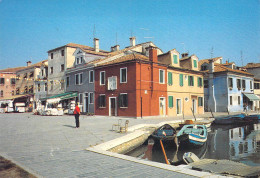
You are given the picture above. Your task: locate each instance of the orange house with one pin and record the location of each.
(132, 85)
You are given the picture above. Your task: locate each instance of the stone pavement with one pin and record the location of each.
(50, 146)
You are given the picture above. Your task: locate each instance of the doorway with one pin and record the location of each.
(162, 108)
(194, 106)
(86, 103)
(178, 106)
(112, 106)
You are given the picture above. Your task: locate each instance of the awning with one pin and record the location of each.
(251, 96)
(62, 96)
(14, 97)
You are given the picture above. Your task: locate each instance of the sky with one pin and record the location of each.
(206, 28)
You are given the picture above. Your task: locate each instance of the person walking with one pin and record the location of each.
(77, 113)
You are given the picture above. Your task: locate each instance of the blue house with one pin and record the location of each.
(227, 89)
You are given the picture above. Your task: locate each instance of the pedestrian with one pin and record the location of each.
(245, 107)
(77, 113)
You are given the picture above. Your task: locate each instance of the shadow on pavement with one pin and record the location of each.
(69, 126)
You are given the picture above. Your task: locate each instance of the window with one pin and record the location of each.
(169, 78)
(67, 81)
(81, 60)
(200, 82)
(17, 91)
(45, 87)
(51, 55)
(42, 72)
(31, 74)
(161, 76)
(39, 87)
(181, 79)
(62, 67)
(2, 93)
(102, 78)
(77, 60)
(51, 83)
(251, 85)
(204, 68)
(170, 101)
(62, 84)
(78, 79)
(2, 81)
(123, 75)
(91, 76)
(91, 98)
(191, 81)
(123, 100)
(25, 89)
(175, 59)
(257, 85)
(12, 92)
(12, 81)
(102, 101)
(200, 101)
(230, 100)
(112, 83)
(31, 89)
(195, 63)
(206, 84)
(51, 70)
(238, 100)
(62, 52)
(239, 84)
(243, 84)
(230, 83)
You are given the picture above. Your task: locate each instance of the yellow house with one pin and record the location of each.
(185, 84)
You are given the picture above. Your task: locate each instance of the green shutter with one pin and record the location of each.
(181, 79)
(126, 98)
(198, 81)
(175, 59)
(195, 63)
(189, 81)
(192, 80)
(169, 78)
(170, 100)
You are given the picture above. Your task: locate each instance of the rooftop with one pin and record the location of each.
(252, 65)
(11, 70)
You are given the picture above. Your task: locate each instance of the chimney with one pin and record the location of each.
(96, 44)
(153, 54)
(184, 55)
(211, 66)
(29, 63)
(132, 41)
(115, 48)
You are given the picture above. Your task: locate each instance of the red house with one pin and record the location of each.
(132, 85)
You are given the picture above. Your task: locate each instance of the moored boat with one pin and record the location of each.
(164, 133)
(192, 135)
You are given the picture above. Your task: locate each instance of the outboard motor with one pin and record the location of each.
(190, 157)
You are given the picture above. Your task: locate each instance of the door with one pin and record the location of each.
(178, 107)
(162, 106)
(194, 106)
(86, 103)
(112, 106)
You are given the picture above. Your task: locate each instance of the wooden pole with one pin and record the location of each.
(193, 114)
(211, 113)
(165, 157)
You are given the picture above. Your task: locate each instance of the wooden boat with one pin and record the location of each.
(254, 117)
(164, 133)
(192, 135)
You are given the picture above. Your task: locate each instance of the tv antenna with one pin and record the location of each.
(212, 52)
(94, 31)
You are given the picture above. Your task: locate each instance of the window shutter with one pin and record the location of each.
(169, 78)
(181, 79)
(175, 59)
(170, 100)
(126, 98)
(195, 63)
(189, 81)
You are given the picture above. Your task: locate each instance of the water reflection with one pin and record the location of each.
(224, 142)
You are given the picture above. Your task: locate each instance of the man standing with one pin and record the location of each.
(77, 113)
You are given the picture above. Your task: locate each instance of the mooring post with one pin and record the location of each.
(165, 157)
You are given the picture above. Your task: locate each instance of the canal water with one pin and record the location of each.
(240, 144)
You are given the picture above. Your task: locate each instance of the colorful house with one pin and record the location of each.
(184, 84)
(228, 89)
(131, 85)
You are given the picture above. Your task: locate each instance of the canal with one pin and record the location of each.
(240, 143)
